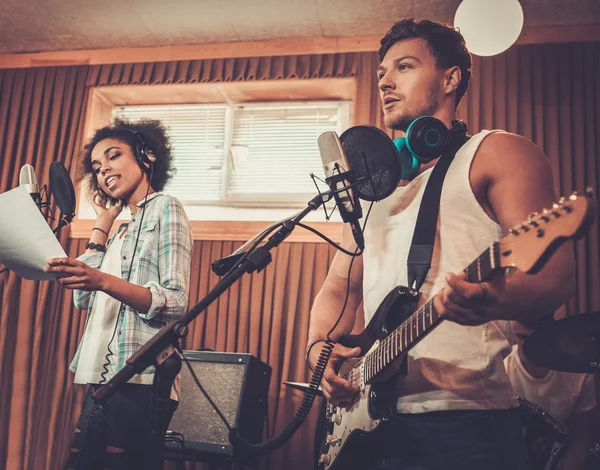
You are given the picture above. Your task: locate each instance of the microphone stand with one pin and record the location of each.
(160, 349)
(161, 346)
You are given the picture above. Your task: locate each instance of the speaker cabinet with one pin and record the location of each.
(239, 385)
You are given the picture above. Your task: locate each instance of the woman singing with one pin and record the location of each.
(131, 283)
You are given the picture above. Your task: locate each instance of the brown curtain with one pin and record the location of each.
(549, 93)
(41, 112)
(43, 115)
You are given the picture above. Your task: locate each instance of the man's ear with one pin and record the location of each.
(452, 80)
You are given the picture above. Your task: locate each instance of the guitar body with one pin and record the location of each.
(353, 437)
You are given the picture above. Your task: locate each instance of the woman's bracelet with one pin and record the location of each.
(95, 246)
(100, 230)
(308, 348)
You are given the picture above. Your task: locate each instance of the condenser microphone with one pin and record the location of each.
(338, 178)
(27, 178)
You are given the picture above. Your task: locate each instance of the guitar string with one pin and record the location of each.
(384, 354)
(388, 348)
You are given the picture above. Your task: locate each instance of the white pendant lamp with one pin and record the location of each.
(489, 26)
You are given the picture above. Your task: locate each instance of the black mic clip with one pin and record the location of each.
(339, 188)
(43, 202)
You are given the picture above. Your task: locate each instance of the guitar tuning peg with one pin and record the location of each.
(513, 231)
(545, 215)
(589, 192)
(557, 207)
(531, 221)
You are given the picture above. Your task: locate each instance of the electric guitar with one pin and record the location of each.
(352, 435)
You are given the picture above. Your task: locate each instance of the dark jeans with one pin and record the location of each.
(124, 424)
(461, 440)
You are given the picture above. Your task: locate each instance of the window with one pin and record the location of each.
(251, 154)
(219, 139)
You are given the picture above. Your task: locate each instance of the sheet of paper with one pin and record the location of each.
(26, 240)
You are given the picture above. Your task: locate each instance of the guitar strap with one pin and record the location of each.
(421, 249)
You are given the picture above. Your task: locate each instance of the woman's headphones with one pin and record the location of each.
(143, 154)
(426, 138)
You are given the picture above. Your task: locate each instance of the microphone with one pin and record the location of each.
(339, 176)
(27, 178)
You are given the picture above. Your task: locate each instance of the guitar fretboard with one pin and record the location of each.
(422, 321)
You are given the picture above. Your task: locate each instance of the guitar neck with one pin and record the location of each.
(424, 319)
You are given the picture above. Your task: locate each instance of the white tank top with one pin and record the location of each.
(455, 366)
(560, 394)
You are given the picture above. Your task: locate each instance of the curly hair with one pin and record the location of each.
(446, 44)
(154, 135)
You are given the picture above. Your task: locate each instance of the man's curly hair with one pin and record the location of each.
(153, 134)
(446, 44)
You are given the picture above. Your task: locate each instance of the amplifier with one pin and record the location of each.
(239, 385)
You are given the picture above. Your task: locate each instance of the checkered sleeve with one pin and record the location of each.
(170, 295)
(81, 298)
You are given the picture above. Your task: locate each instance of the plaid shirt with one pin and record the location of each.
(162, 264)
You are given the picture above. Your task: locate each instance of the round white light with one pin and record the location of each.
(489, 26)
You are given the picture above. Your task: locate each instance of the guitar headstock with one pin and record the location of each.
(529, 245)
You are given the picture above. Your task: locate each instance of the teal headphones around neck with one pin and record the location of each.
(426, 138)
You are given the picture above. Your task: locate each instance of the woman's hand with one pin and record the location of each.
(74, 274)
(107, 209)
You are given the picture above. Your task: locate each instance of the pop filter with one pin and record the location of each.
(375, 161)
(62, 190)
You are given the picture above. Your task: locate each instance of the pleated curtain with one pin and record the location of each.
(548, 93)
